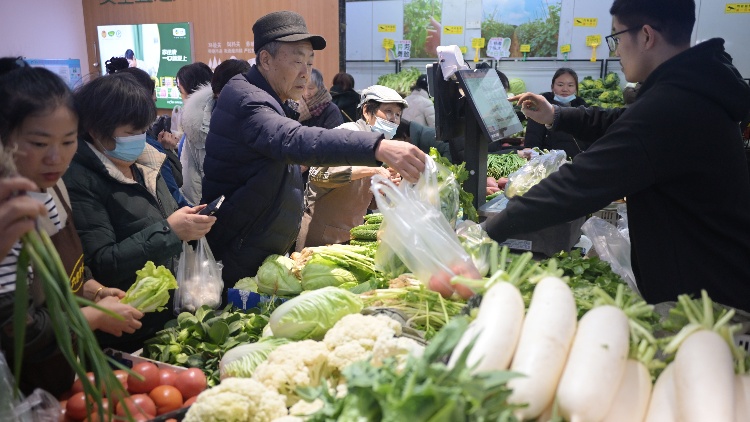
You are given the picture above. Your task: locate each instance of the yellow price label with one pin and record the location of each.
(565, 48)
(388, 43)
(594, 40)
(737, 8)
(386, 27)
(477, 43)
(464, 49)
(588, 22)
(525, 48)
(453, 30)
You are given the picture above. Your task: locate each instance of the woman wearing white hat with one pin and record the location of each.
(337, 198)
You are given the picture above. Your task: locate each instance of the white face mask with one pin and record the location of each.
(565, 100)
(388, 129)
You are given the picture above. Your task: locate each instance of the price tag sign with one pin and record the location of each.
(463, 49)
(593, 40)
(737, 8)
(494, 47)
(565, 48)
(525, 48)
(386, 27)
(388, 43)
(453, 30)
(587, 22)
(403, 50)
(477, 42)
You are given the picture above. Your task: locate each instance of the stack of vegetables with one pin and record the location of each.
(605, 92)
(401, 82)
(366, 234)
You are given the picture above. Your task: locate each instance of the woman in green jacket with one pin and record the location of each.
(122, 208)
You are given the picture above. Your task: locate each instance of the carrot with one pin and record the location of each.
(595, 366)
(543, 347)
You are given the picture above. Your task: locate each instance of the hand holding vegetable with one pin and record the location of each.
(17, 213)
(187, 224)
(535, 107)
(441, 282)
(404, 157)
(127, 323)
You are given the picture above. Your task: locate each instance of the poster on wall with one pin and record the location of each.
(430, 23)
(159, 49)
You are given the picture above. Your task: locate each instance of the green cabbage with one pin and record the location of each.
(275, 277)
(612, 81)
(249, 284)
(516, 86)
(150, 292)
(311, 314)
(242, 360)
(320, 272)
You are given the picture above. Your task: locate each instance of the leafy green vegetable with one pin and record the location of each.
(417, 14)
(275, 277)
(201, 340)
(465, 199)
(150, 292)
(249, 284)
(516, 85)
(312, 314)
(401, 82)
(320, 272)
(242, 360)
(425, 389)
(501, 165)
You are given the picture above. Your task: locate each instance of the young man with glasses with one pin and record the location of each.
(676, 154)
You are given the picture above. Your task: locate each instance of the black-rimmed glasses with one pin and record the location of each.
(613, 40)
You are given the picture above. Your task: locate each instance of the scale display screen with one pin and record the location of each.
(495, 113)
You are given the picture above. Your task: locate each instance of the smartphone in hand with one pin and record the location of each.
(212, 207)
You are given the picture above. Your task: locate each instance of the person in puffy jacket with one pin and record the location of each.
(255, 145)
(344, 96)
(421, 109)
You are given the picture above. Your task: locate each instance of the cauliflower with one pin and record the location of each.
(237, 399)
(396, 347)
(353, 338)
(300, 364)
(306, 408)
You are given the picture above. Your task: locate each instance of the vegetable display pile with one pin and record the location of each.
(401, 82)
(605, 93)
(501, 165)
(200, 340)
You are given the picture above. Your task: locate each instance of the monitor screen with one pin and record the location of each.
(490, 101)
(160, 49)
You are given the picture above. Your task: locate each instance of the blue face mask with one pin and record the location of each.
(565, 100)
(385, 127)
(128, 148)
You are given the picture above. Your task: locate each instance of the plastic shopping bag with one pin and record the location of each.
(39, 406)
(199, 279)
(539, 167)
(415, 229)
(611, 246)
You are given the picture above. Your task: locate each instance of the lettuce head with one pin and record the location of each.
(150, 292)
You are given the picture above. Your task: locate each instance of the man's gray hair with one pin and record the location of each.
(272, 48)
(317, 78)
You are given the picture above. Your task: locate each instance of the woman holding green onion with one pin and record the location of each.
(39, 123)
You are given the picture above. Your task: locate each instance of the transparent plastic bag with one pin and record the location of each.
(539, 167)
(611, 246)
(477, 243)
(415, 229)
(40, 406)
(198, 277)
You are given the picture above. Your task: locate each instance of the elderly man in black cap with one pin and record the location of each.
(255, 144)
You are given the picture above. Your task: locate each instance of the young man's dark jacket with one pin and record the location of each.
(250, 151)
(537, 136)
(677, 155)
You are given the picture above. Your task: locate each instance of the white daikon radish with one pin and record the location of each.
(704, 379)
(663, 407)
(742, 397)
(631, 401)
(498, 324)
(546, 337)
(595, 366)
(547, 413)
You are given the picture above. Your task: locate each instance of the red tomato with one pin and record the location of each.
(94, 416)
(62, 410)
(75, 408)
(139, 404)
(189, 401)
(78, 384)
(190, 382)
(150, 374)
(167, 377)
(122, 376)
(167, 398)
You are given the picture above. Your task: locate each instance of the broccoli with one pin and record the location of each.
(599, 84)
(612, 81)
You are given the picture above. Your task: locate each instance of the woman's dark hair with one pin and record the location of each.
(193, 75)
(503, 79)
(673, 18)
(565, 71)
(129, 54)
(421, 83)
(344, 80)
(111, 101)
(403, 130)
(225, 71)
(115, 64)
(142, 77)
(26, 91)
